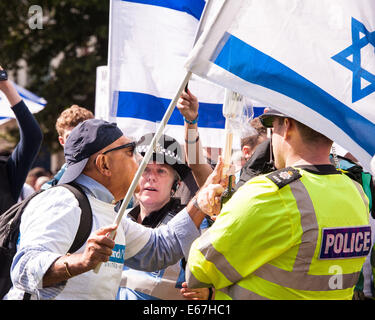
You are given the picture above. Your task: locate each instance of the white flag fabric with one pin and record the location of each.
(313, 60)
(149, 43)
(32, 101)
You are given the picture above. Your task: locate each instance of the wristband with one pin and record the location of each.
(3, 75)
(192, 121)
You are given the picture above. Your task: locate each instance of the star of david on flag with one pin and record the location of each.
(312, 60)
(361, 37)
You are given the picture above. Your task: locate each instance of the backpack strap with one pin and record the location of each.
(85, 223)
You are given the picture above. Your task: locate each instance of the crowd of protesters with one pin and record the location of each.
(270, 241)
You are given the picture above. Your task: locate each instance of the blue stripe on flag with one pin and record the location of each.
(254, 66)
(192, 7)
(151, 108)
(28, 95)
(258, 111)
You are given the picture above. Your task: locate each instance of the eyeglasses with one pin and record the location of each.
(130, 145)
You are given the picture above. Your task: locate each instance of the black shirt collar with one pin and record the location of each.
(155, 217)
(322, 169)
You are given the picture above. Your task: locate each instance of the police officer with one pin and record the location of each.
(301, 232)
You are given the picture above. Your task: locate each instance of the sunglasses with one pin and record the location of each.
(130, 145)
(267, 121)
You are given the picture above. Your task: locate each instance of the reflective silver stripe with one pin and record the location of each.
(303, 281)
(236, 292)
(362, 193)
(309, 225)
(299, 278)
(218, 259)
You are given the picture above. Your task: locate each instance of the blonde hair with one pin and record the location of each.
(71, 117)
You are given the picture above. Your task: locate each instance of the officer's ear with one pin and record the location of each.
(289, 126)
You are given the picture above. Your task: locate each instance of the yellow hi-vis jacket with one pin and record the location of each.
(291, 234)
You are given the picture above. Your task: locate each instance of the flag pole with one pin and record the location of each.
(233, 104)
(147, 157)
(158, 133)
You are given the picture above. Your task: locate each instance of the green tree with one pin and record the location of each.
(61, 57)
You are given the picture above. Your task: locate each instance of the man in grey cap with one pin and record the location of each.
(103, 162)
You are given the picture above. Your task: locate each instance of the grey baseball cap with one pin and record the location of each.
(86, 139)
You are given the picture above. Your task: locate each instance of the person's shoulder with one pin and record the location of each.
(56, 196)
(51, 206)
(269, 183)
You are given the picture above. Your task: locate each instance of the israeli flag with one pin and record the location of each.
(313, 60)
(32, 101)
(149, 43)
